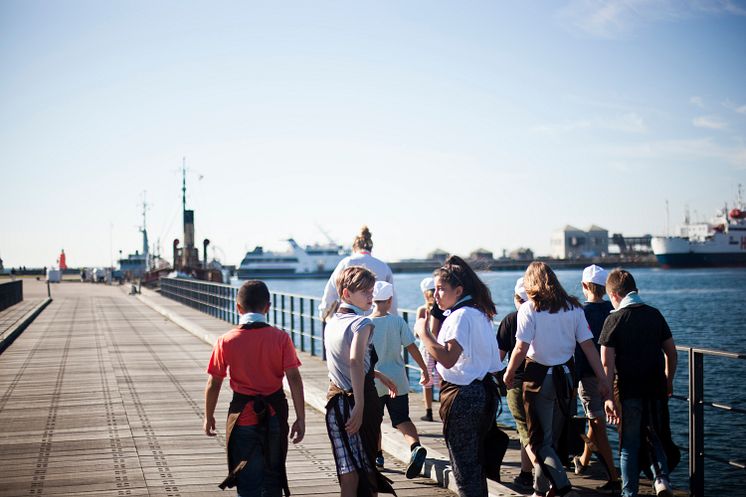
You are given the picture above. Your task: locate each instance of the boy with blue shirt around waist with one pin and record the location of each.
(392, 333)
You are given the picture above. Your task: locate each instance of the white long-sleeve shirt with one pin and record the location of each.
(380, 269)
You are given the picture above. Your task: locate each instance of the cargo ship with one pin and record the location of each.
(718, 243)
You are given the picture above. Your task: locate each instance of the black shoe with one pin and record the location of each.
(416, 461)
(612, 486)
(428, 415)
(524, 480)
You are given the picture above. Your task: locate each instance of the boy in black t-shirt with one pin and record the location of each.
(636, 342)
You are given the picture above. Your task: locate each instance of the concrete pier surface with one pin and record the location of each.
(103, 395)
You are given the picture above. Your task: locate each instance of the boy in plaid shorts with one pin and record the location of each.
(353, 419)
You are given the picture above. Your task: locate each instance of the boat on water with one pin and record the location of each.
(311, 261)
(721, 242)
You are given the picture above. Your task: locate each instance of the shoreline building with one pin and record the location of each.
(574, 243)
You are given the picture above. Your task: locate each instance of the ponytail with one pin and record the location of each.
(364, 240)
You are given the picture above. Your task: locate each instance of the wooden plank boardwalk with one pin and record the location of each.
(103, 396)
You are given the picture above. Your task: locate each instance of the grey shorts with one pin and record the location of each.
(593, 404)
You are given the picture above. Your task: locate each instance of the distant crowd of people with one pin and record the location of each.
(617, 356)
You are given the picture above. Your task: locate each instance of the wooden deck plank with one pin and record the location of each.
(102, 396)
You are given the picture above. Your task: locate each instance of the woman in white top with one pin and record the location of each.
(549, 325)
(361, 256)
(466, 352)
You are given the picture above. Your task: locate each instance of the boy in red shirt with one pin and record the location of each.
(256, 356)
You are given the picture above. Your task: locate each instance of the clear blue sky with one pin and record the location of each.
(455, 125)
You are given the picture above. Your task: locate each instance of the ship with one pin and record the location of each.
(721, 242)
(311, 261)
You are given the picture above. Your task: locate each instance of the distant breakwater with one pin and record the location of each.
(428, 265)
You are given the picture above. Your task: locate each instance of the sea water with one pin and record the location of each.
(704, 308)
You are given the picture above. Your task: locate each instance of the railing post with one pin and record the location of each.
(405, 315)
(292, 319)
(323, 345)
(302, 328)
(282, 312)
(274, 310)
(313, 326)
(696, 425)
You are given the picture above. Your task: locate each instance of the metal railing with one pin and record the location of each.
(297, 316)
(696, 404)
(11, 293)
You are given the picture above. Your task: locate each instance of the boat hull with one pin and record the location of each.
(695, 259)
(248, 274)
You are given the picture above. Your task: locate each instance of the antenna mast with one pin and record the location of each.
(183, 185)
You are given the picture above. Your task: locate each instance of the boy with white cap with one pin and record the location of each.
(392, 333)
(429, 317)
(506, 343)
(596, 311)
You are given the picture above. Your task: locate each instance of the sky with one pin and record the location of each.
(451, 125)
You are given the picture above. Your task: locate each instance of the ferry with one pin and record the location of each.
(311, 261)
(718, 243)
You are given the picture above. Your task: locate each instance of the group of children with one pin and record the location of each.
(461, 355)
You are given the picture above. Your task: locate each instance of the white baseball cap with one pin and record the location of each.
(519, 290)
(427, 284)
(595, 274)
(383, 290)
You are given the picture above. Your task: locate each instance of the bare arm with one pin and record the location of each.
(298, 430)
(589, 349)
(393, 390)
(669, 349)
(516, 358)
(357, 375)
(608, 359)
(417, 356)
(446, 354)
(212, 392)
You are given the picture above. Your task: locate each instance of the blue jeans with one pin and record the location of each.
(632, 437)
(258, 479)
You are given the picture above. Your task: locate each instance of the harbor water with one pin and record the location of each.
(704, 308)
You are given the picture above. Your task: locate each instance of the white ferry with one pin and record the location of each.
(720, 242)
(311, 261)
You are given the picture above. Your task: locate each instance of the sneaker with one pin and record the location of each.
(524, 480)
(416, 460)
(379, 461)
(428, 416)
(612, 486)
(662, 487)
(579, 467)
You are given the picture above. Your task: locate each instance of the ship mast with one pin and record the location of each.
(144, 230)
(183, 186)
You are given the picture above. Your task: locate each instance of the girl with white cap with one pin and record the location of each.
(425, 321)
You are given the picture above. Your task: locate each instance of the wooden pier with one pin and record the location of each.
(103, 395)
